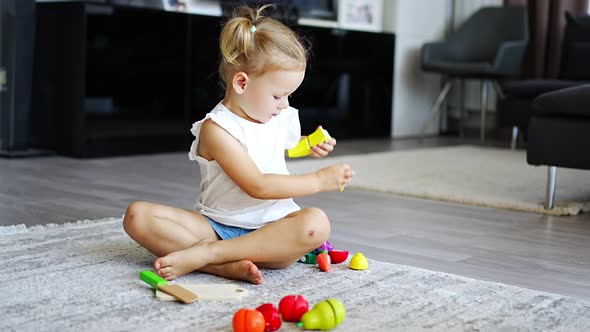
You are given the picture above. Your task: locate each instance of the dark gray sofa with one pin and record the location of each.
(559, 133)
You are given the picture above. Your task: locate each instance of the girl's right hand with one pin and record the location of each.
(334, 177)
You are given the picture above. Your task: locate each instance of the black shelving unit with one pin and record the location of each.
(112, 80)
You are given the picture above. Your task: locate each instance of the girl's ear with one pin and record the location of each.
(239, 82)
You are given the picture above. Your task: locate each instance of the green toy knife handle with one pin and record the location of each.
(152, 279)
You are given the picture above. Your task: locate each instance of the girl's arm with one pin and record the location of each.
(217, 144)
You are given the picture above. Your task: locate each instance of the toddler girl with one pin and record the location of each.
(244, 217)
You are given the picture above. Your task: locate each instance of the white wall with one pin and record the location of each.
(416, 22)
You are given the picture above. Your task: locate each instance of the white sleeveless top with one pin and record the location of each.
(220, 198)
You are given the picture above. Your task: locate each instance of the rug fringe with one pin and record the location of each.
(13, 229)
(22, 228)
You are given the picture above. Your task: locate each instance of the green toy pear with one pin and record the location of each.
(325, 315)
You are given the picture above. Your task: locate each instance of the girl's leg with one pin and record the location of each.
(276, 245)
(164, 230)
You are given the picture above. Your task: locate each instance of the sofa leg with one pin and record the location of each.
(514, 138)
(550, 199)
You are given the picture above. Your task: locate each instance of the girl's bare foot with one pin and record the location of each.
(241, 270)
(194, 258)
(182, 262)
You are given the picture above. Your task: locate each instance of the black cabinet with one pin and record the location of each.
(349, 83)
(111, 80)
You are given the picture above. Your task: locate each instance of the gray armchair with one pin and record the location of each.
(488, 46)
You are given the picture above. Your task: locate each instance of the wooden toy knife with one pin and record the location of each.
(160, 283)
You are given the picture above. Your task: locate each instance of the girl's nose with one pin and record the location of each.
(284, 103)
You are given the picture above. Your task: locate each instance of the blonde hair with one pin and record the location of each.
(253, 43)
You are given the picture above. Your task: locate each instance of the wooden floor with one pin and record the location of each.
(534, 251)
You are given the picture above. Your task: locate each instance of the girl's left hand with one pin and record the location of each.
(322, 150)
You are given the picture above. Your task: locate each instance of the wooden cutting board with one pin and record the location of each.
(209, 292)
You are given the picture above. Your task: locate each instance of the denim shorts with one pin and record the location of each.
(227, 232)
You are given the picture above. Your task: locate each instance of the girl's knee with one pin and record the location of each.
(316, 226)
(133, 216)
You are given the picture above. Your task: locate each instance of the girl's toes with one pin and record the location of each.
(165, 271)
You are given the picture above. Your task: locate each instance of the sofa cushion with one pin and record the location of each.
(530, 89)
(571, 101)
(576, 48)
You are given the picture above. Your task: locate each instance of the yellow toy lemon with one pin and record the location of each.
(325, 315)
(359, 262)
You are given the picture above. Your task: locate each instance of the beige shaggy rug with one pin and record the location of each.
(84, 277)
(483, 176)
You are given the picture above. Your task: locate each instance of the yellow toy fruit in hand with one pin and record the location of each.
(359, 262)
(325, 315)
(304, 146)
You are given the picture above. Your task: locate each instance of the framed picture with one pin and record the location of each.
(175, 5)
(203, 7)
(366, 15)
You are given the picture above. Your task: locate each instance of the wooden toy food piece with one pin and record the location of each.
(338, 256)
(324, 262)
(271, 317)
(292, 307)
(303, 148)
(248, 320)
(359, 262)
(309, 258)
(209, 292)
(327, 246)
(160, 283)
(325, 315)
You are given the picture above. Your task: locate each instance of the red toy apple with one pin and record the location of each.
(271, 317)
(292, 307)
(248, 320)
(338, 256)
(324, 262)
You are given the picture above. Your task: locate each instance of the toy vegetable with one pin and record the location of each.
(292, 307)
(271, 317)
(248, 320)
(324, 262)
(325, 315)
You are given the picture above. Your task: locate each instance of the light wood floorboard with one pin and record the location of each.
(529, 250)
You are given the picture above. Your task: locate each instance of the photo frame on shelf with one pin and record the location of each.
(176, 5)
(202, 7)
(364, 15)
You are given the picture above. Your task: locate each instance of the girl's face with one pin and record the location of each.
(265, 96)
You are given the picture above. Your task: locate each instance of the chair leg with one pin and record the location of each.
(461, 97)
(514, 138)
(436, 107)
(550, 194)
(498, 89)
(484, 106)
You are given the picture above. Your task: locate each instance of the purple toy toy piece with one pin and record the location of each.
(326, 246)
